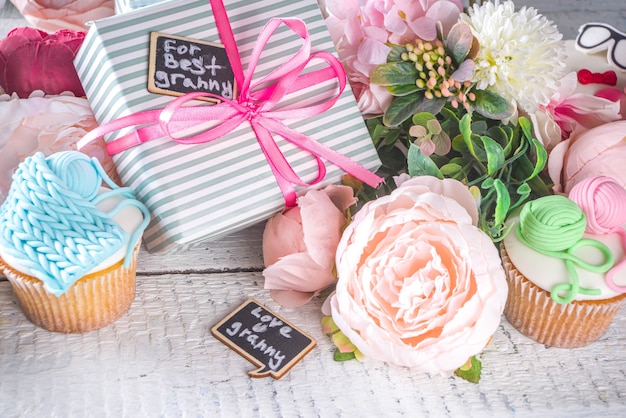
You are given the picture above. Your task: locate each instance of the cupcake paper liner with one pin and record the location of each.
(532, 312)
(93, 302)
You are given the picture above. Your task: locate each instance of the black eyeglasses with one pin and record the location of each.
(594, 37)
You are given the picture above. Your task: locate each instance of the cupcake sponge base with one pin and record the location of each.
(93, 302)
(532, 312)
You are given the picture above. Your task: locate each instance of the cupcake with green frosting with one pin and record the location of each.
(69, 239)
(557, 267)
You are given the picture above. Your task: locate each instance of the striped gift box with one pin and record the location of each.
(199, 192)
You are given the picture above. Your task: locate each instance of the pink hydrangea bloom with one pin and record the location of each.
(361, 28)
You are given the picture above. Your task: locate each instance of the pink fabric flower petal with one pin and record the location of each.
(446, 12)
(46, 124)
(295, 271)
(31, 34)
(291, 298)
(282, 236)
(424, 27)
(3, 63)
(52, 15)
(36, 66)
(322, 221)
(341, 196)
(299, 245)
(10, 44)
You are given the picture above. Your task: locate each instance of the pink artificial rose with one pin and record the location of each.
(31, 60)
(299, 245)
(47, 124)
(600, 151)
(361, 30)
(419, 285)
(52, 15)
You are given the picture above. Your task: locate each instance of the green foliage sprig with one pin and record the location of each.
(504, 161)
(424, 76)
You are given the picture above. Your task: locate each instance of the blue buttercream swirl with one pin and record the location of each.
(50, 222)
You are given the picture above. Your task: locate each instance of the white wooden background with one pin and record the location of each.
(161, 360)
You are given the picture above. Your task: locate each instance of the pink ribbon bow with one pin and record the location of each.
(256, 105)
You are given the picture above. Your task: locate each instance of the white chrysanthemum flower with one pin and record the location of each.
(521, 54)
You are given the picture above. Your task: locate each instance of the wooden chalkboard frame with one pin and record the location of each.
(304, 340)
(154, 65)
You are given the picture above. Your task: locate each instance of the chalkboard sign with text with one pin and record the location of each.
(181, 65)
(264, 338)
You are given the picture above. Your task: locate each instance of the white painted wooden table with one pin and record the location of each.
(161, 360)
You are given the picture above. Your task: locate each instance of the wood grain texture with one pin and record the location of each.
(160, 359)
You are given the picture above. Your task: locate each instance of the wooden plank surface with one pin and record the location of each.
(161, 360)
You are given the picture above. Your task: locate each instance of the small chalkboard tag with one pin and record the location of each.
(263, 338)
(181, 65)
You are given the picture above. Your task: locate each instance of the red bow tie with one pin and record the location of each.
(587, 77)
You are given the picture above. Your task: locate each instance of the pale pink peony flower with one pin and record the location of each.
(31, 60)
(52, 15)
(361, 28)
(600, 151)
(47, 124)
(419, 285)
(299, 245)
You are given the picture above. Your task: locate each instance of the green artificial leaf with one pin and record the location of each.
(495, 154)
(420, 164)
(503, 202)
(453, 171)
(434, 105)
(403, 89)
(465, 126)
(402, 108)
(458, 144)
(459, 42)
(394, 73)
(479, 127)
(471, 374)
(492, 105)
(526, 126)
(523, 191)
(339, 356)
(433, 127)
(392, 136)
(449, 114)
(396, 52)
(422, 118)
(376, 129)
(541, 156)
(487, 183)
(392, 159)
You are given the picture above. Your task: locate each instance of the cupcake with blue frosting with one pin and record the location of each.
(69, 239)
